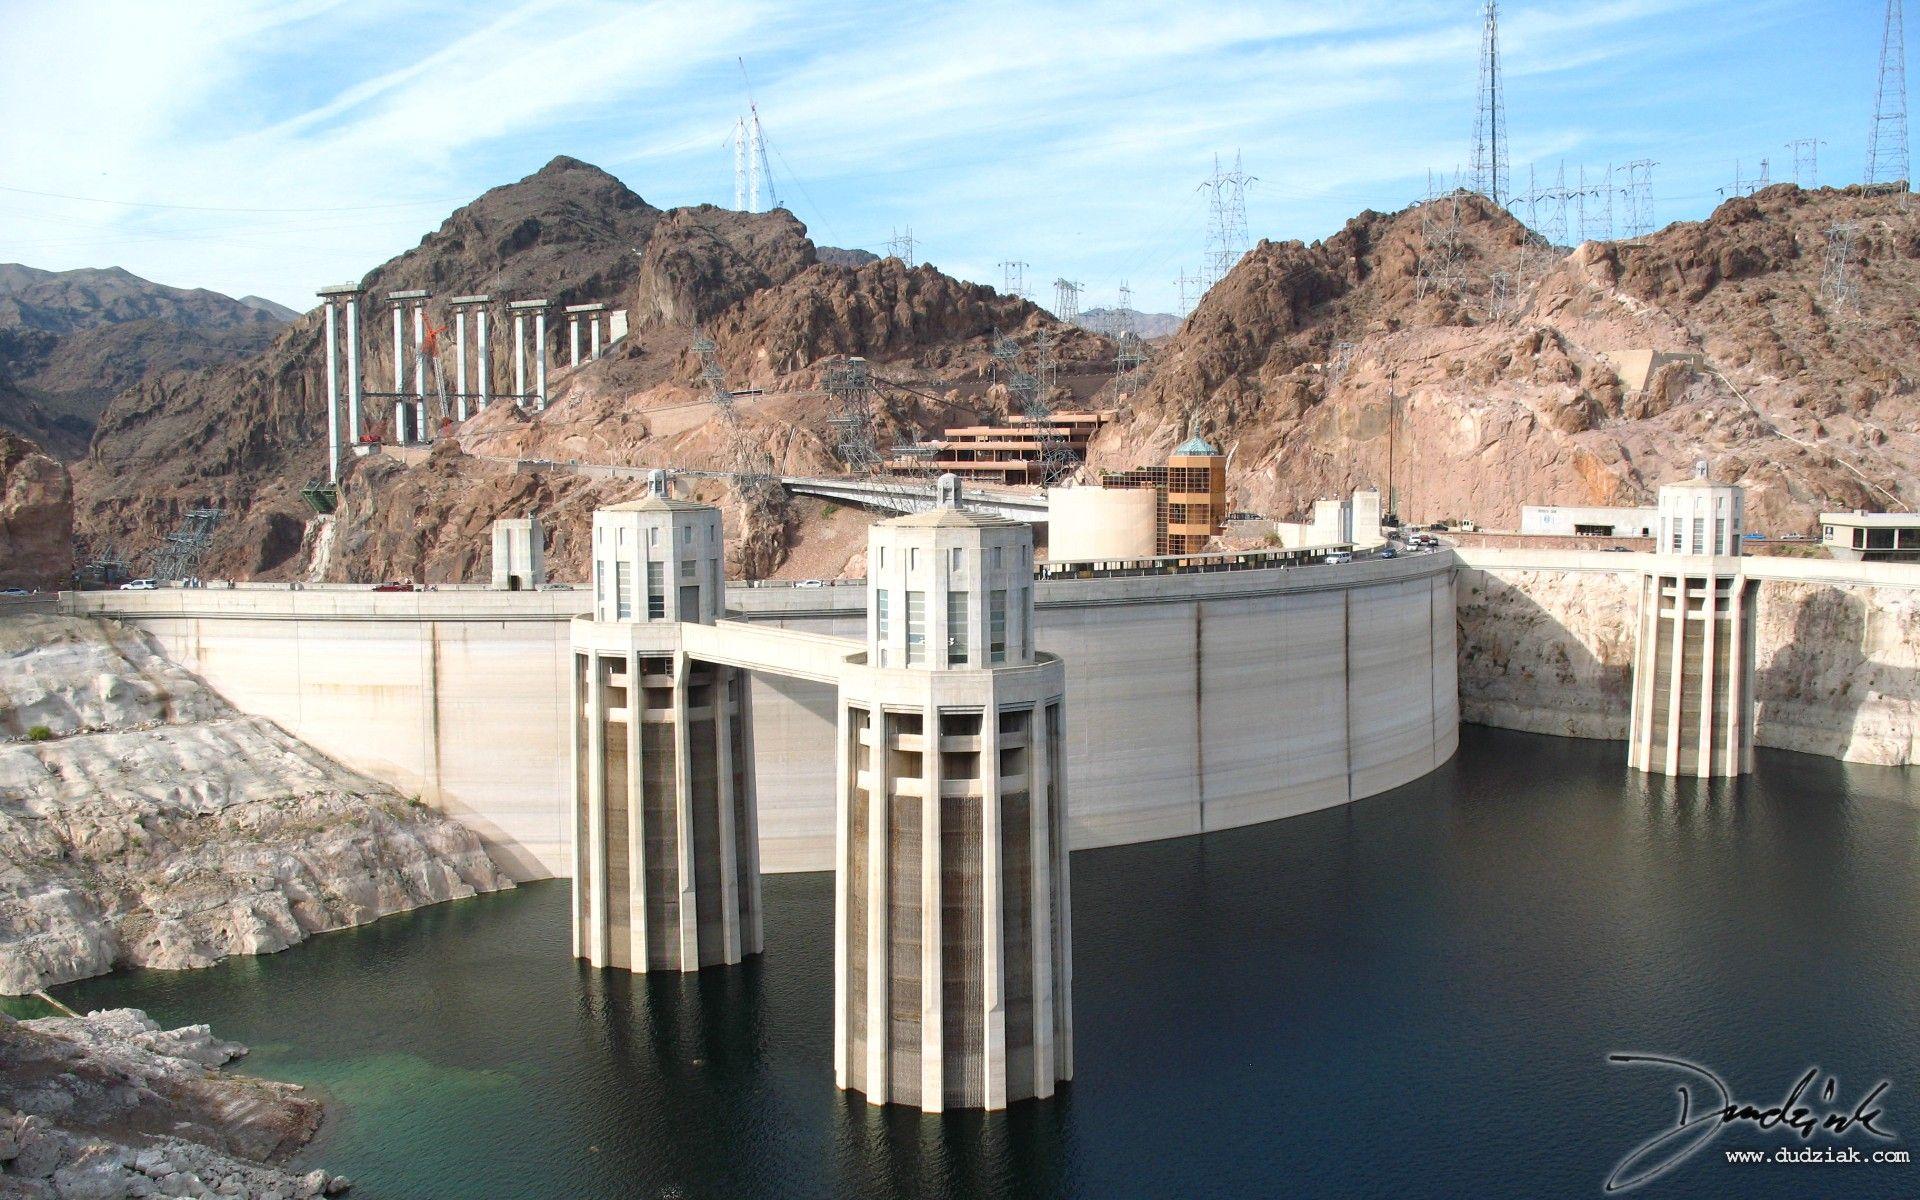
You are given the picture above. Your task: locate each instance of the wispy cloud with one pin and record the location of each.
(1069, 135)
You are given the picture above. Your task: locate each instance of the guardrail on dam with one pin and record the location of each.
(1194, 702)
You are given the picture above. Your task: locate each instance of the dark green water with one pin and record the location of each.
(1414, 995)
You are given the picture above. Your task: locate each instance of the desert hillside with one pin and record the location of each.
(1443, 351)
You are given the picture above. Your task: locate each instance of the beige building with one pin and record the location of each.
(1692, 708)
(519, 554)
(1087, 523)
(1871, 537)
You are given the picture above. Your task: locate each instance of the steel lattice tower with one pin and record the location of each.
(1226, 218)
(1887, 160)
(1489, 170)
(1014, 277)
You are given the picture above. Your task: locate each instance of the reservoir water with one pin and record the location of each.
(1414, 995)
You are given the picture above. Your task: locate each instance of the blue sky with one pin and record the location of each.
(272, 147)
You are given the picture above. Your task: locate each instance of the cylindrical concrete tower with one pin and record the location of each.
(666, 853)
(1692, 711)
(953, 968)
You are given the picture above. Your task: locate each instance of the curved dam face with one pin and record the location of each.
(1193, 702)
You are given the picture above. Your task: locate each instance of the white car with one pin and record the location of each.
(140, 585)
(809, 583)
(1341, 557)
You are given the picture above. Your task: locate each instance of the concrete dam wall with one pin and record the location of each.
(1546, 645)
(1194, 702)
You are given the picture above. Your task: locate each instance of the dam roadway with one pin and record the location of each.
(1194, 702)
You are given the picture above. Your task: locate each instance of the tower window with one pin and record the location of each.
(997, 625)
(656, 591)
(880, 615)
(623, 591)
(916, 628)
(956, 627)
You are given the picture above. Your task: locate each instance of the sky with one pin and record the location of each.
(275, 146)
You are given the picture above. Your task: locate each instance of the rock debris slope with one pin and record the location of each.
(144, 822)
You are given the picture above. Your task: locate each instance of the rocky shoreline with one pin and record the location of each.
(145, 822)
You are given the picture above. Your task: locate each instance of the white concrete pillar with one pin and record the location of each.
(399, 351)
(721, 704)
(752, 938)
(636, 821)
(845, 781)
(879, 1079)
(460, 362)
(683, 803)
(573, 339)
(333, 393)
(519, 358)
(1040, 898)
(1709, 629)
(540, 355)
(1677, 683)
(594, 326)
(992, 944)
(597, 810)
(932, 976)
(353, 369)
(420, 430)
(1062, 897)
(579, 714)
(486, 361)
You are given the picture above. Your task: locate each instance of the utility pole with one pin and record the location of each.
(1638, 192)
(1490, 116)
(1887, 160)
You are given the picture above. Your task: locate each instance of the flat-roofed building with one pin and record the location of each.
(1567, 520)
(1192, 491)
(1871, 537)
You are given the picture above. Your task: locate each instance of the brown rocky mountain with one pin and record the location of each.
(246, 436)
(1488, 368)
(36, 517)
(71, 340)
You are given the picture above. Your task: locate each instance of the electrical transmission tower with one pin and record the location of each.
(752, 465)
(1014, 279)
(1129, 351)
(1190, 292)
(1806, 161)
(1840, 280)
(1440, 266)
(1638, 193)
(851, 387)
(1887, 160)
(1747, 187)
(1489, 176)
(1031, 391)
(751, 171)
(1227, 236)
(900, 246)
(1598, 227)
(181, 551)
(1066, 299)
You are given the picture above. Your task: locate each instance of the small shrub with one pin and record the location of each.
(39, 733)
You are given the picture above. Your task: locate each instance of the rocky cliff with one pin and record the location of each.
(110, 1105)
(145, 822)
(1836, 664)
(36, 517)
(1450, 354)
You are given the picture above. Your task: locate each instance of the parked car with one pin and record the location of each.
(16, 592)
(395, 585)
(140, 585)
(556, 587)
(1387, 553)
(810, 583)
(1793, 537)
(1338, 557)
